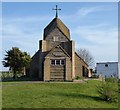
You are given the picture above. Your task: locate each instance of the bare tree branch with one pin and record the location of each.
(85, 55)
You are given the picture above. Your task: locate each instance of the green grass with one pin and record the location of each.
(53, 95)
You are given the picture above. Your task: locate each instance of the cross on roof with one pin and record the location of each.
(57, 10)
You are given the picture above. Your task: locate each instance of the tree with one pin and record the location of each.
(85, 55)
(16, 60)
(25, 61)
(108, 90)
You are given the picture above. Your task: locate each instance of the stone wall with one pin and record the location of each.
(57, 72)
(78, 66)
(56, 23)
(56, 53)
(68, 71)
(58, 34)
(34, 65)
(67, 47)
(81, 68)
(46, 69)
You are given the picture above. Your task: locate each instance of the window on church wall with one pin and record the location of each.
(53, 62)
(57, 62)
(62, 62)
(55, 38)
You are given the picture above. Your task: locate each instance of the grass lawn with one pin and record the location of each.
(52, 95)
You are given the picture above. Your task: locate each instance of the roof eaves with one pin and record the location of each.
(60, 48)
(81, 59)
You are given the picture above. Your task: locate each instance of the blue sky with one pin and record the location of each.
(93, 25)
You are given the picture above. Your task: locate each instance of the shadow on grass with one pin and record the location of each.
(19, 79)
(78, 95)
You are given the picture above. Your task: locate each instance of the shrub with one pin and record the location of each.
(111, 79)
(108, 91)
(78, 77)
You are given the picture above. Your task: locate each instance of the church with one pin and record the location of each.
(56, 59)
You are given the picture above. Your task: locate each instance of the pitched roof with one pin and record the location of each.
(56, 22)
(58, 46)
(81, 58)
(36, 54)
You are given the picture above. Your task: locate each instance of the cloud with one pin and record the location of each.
(89, 15)
(86, 11)
(101, 40)
(11, 30)
(18, 33)
(26, 19)
(97, 36)
(24, 38)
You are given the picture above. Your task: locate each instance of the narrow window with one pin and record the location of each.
(62, 62)
(55, 38)
(57, 62)
(53, 62)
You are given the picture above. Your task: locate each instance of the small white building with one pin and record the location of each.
(108, 69)
(119, 70)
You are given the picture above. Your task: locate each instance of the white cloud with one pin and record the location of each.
(24, 38)
(11, 30)
(18, 35)
(85, 11)
(95, 34)
(27, 19)
(102, 41)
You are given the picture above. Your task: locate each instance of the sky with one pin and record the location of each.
(60, 0)
(92, 25)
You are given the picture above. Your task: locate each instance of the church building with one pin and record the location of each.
(56, 59)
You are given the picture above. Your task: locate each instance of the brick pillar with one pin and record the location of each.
(68, 72)
(47, 69)
(73, 58)
(42, 48)
(42, 45)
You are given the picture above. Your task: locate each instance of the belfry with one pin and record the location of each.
(56, 59)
